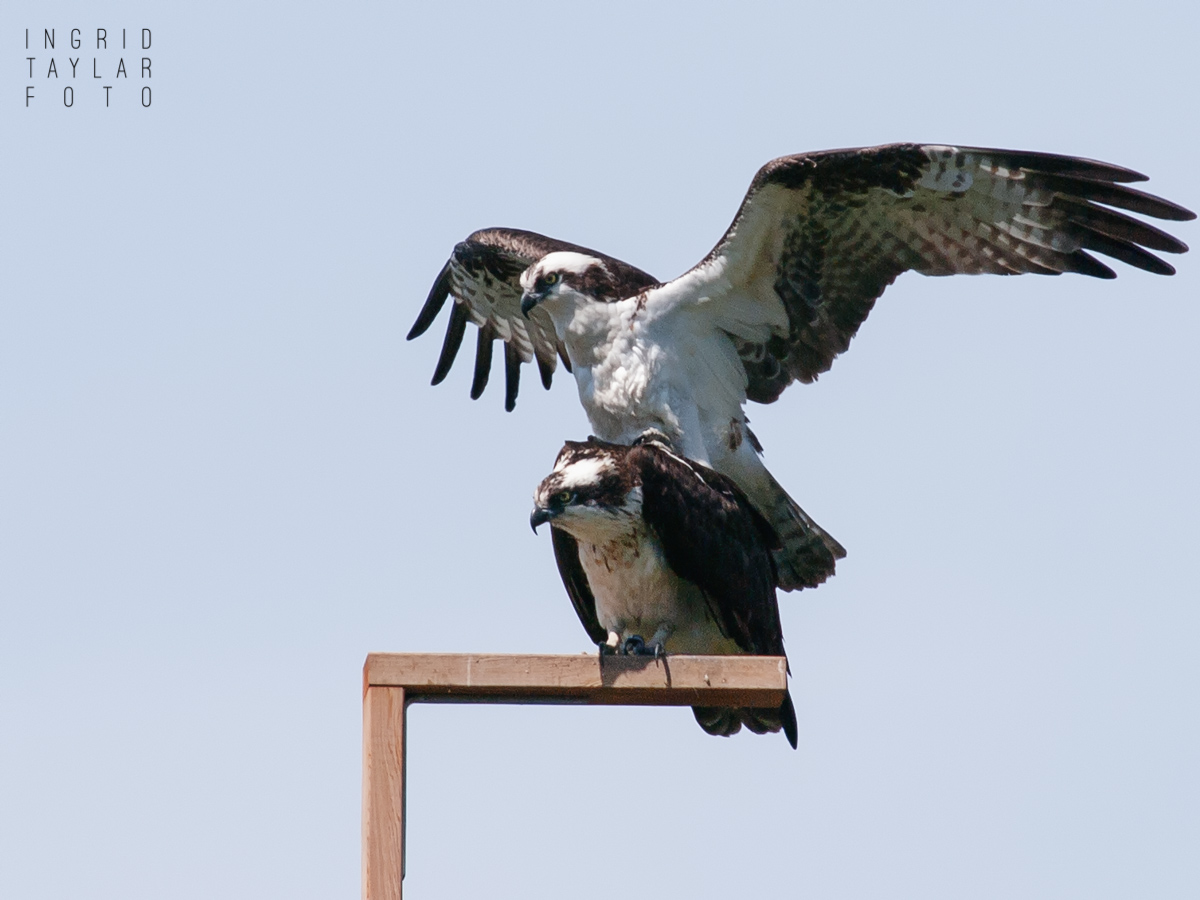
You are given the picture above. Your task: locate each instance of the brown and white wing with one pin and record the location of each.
(483, 275)
(575, 580)
(820, 236)
(712, 536)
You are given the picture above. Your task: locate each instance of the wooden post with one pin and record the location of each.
(392, 680)
(383, 793)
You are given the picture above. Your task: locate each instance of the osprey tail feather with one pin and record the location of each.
(807, 553)
(724, 721)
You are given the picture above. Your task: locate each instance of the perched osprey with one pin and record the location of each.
(661, 554)
(815, 242)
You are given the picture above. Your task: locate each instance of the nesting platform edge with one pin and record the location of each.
(391, 681)
(754, 681)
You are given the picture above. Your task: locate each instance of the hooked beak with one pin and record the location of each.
(528, 301)
(540, 516)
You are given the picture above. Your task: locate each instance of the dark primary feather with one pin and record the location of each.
(454, 338)
(546, 371)
(512, 376)
(433, 303)
(483, 276)
(483, 361)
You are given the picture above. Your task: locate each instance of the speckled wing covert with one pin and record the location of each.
(825, 233)
(483, 275)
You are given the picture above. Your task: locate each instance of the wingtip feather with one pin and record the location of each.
(546, 370)
(454, 338)
(433, 303)
(483, 362)
(512, 377)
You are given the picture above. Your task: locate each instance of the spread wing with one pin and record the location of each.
(566, 554)
(483, 275)
(820, 236)
(714, 538)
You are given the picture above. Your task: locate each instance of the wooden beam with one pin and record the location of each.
(383, 793)
(755, 681)
(393, 680)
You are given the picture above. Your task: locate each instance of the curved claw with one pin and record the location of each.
(635, 645)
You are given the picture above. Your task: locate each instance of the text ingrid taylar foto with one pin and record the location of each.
(104, 82)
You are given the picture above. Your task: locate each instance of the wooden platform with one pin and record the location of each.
(393, 680)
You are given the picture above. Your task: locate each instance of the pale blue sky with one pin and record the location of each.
(224, 477)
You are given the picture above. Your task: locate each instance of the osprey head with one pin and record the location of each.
(590, 493)
(566, 273)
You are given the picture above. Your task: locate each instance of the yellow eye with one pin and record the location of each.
(551, 278)
(564, 496)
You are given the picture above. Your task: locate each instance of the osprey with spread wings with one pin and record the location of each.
(817, 239)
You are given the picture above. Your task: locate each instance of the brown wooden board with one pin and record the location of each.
(757, 681)
(393, 680)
